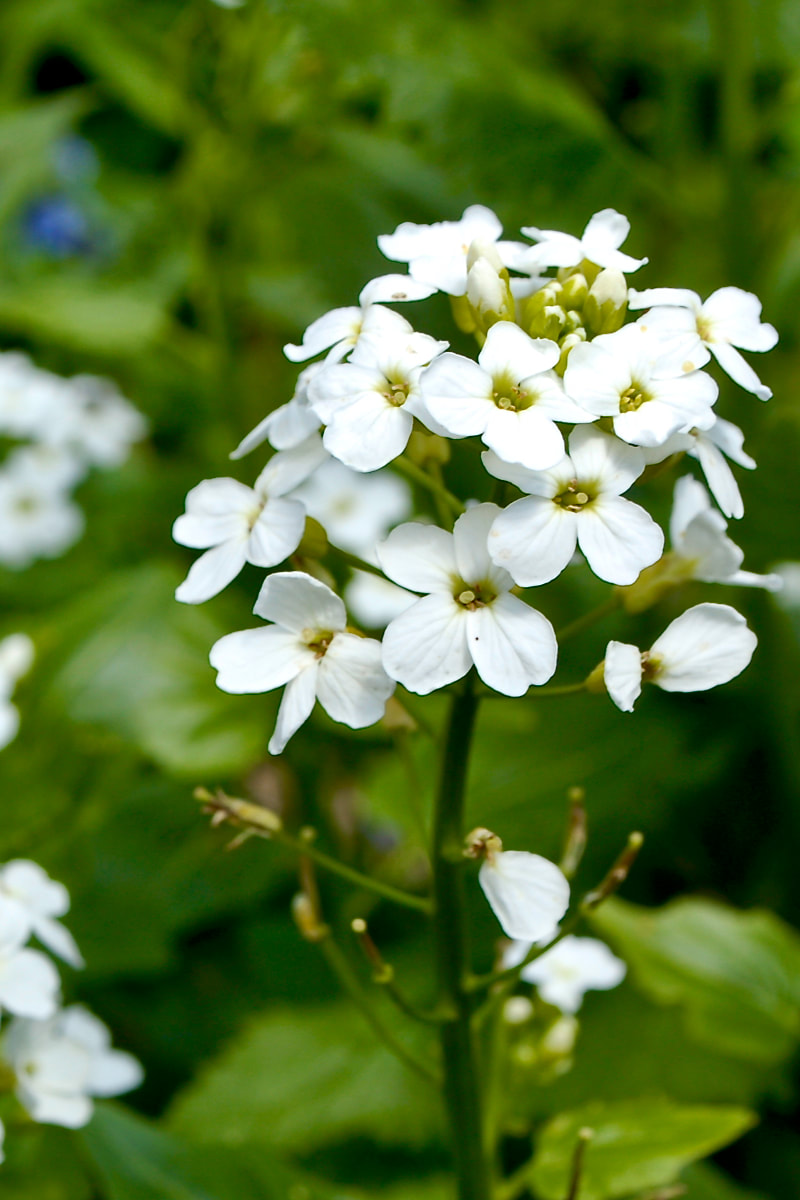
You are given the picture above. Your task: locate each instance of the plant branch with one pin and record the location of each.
(417, 475)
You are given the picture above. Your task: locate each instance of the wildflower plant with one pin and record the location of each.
(580, 393)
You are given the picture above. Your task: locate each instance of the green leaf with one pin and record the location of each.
(83, 315)
(301, 1079)
(141, 669)
(136, 1160)
(637, 1144)
(735, 974)
(705, 1182)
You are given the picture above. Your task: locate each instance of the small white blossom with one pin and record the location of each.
(728, 318)
(577, 502)
(94, 421)
(697, 532)
(40, 900)
(374, 601)
(707, 645)
(437, 254)
(710, 447)
(575, 965)
(308, 649)
(468, 615)
(527, 893)
(37, 518)
(599, 243)
(511, 397)
(29, 983)
(369, 403)
(355, 510)
(61, 1063)
(259, 525)
(341, 329)
(16, 657)
(622, 375)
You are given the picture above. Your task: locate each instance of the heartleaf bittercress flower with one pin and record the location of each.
(580, 405)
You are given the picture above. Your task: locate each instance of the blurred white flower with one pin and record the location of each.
(94, 421)
(511, 397)
(374, 601)
(16, 657)
(37, 518)
(707, 645)
(61, 1063)
(468, 614)
(575, 965)
(40, 899)
(355, 509)
(576, 502)
(259, 525)
(728, 318)
(29, 983)
(308, 649)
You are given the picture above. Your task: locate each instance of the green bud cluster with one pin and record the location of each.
(580, 303)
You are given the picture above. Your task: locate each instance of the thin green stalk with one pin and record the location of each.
(358, 564)
(462, 1084)
(558, 689)
(416, 474)
(351, 984)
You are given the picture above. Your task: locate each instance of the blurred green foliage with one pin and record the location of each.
(244, 161)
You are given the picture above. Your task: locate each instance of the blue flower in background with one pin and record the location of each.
(58, 226)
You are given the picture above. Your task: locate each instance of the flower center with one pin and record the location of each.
(473, 596)
(25, 505)
(632, 398)
(396, 393)
(651, 666)
(509, 395)
(574, 497)
(705, 329)
(318, 640)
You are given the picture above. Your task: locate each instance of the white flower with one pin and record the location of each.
(29, 983)
(29, 397)
(369, 403)
(40, 899)
(258, 525)
(289, 425)
(527, 893)
(355, 510)
(577, 502)
(697, 532)
(374, 601)
(468, 616)
(599, 243)
(308, 649)
(707, 645)
(710, 447)
(58, 468)
(510, 397)
(575, 965)
(16, 657)
(622, 375)
(728, 318)
(437, 254)
(37, 519)
(63, 1062)
(339, 330)
(94, 421)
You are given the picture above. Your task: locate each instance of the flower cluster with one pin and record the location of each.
(62, 429)
(56, 1059)
(580, 387)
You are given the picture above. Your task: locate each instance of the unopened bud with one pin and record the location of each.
(482, 843)
(595, 681)
(574, 291)
(568, 344)
(560, 1037)
(517, 1010)
(655, 582)
(607, 303)
(306, 918)
(488, 252)
(424, 448)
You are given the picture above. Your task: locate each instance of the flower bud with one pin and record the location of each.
(606, 303)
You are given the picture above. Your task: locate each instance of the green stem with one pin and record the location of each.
(347, 977)
(396, 895)
(462, 1092)
(358, 564)
(416, 474)
(559, 689)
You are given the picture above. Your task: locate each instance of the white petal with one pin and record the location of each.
(458, 394)
(29, 985)
(287, 469)
(547, 483)
(258, 660)
(298, 601)
(707, 645)
(327, 330)
(618, 538)
(419, 557)
(738, 370)
(216, 510)
(426, 647)
(730, 440)
(572, 967)
(113, 1073)
(735, 317)
(392, 289)
(681, 297)
(352, 685)
(58, 939)
(555, 249)
(604, 460)
(72, 1112)
(296, 705)
(512, 645)
(30, 884)
(368, 432)
(470, 543)
(622, 672)
(533, 539)
(277, 532)
(508, 350)
(527, 437)
(689, 499)
(606, 231)
(212, 572)
(720, 477)
(527, 893)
